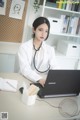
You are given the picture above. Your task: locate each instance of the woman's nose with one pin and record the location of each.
(43, 33)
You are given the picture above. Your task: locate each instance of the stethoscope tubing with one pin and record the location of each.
(35, 64)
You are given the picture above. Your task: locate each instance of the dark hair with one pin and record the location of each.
(41, 20)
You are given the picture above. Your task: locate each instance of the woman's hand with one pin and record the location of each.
(42, 82)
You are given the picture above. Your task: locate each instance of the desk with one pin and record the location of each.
(17, 110)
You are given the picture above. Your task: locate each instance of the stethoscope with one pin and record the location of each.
(36, 50)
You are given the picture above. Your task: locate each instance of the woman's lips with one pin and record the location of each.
(42, 37)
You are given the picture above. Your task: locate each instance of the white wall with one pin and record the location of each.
(7, 56)
(7, 62)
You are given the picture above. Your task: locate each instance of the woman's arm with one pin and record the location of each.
(25, 68)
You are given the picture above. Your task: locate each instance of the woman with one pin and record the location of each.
(35, 56)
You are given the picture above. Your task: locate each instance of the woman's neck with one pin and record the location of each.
(37, 43)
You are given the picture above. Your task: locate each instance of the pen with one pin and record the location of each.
(10, 85)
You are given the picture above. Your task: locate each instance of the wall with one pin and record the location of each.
(7, 62)
(7, 56)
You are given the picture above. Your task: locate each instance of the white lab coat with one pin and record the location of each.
(44, 57)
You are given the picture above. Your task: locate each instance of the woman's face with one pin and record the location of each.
(41, 32)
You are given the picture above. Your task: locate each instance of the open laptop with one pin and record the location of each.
(61, 83)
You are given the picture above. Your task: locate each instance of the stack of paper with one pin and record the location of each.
(8, 85)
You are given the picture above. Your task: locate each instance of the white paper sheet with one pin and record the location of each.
(8, 85)
(3, 7)
(16, 10)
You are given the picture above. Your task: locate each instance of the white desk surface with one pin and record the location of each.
(11, 102)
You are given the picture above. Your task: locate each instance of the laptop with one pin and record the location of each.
(60, 83)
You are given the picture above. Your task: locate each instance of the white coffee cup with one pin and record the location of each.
(29, 99)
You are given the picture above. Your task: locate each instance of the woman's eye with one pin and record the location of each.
(43, 30)
(40, 29)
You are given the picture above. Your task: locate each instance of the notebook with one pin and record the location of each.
(61, 83)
